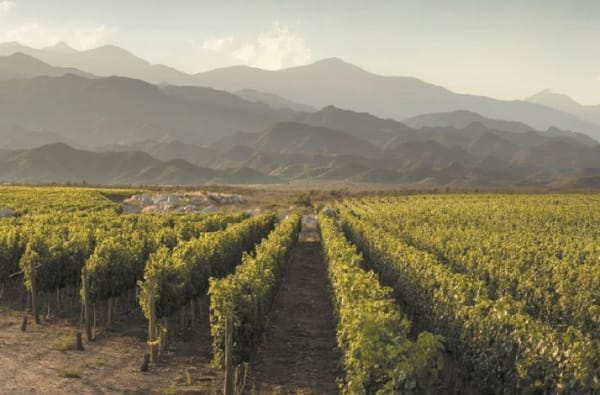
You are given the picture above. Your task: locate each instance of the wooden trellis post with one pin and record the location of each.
(192, 314)
(110, 312)
(152, 336)
(95, 333)
(34, 294)
(87, 306)
(229, 370)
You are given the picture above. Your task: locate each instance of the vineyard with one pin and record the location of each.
(398, 294)
(511, 283)
(73, 253)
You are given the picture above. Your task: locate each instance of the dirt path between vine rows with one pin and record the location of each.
(300, 354)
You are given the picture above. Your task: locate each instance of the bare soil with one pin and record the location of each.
(300, 355)
(42, 360)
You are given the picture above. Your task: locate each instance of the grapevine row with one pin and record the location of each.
(172, 278)
(379, 356)
(119, 260)
(246, 295)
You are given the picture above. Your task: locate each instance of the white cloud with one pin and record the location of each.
(275, 49)
(217, 43)
(36, 35)
(90, 37)
(31, 34)
(6, 6)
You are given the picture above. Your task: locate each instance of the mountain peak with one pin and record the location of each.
(550, 98)
(60, 47)
(58, 148)
(114, 50)
(475, 125)
(333, 60)
(329, 108)
(111, 47)
(557, 101)
(335, 65)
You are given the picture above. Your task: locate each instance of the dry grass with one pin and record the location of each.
(170, 390)
(65, 343)
(71, 373)
(94, 363)
(188, 377)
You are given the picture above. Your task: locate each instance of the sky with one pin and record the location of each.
(506, 49)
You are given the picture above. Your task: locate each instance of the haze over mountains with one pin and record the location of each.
(326, 82)
(61, 163)
(328, 121)
(19, 65)
(566, 104)
(115, 110)
(107, 60)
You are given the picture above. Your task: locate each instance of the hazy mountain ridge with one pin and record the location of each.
(19, 66)
(214, 98)
(61, 163)
(297, 138)
(417, 162)
(107, 60)
(17, 137)
(285, 150)
(325, 82)
(121, 110)
(335, 82)
(462, 119)
(487, 156)
(192, 134)
(166, 151)
(564, 103)
(274, 101)
(358, 124)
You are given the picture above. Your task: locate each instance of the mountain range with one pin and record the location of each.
(326, 82)
(104, 61)
(60, 163)
(150, 124)
(21, 66)
(462, 119)
(333, 81)
(98, 111)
